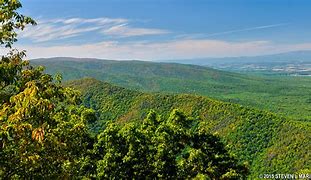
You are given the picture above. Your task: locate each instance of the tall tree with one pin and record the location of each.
(42, 130)
(176, 148)
(11, 21)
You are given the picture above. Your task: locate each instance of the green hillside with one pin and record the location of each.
(269, 143)
(160, 127)
(286, 95)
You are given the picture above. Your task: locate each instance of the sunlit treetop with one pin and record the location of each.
(11, 21)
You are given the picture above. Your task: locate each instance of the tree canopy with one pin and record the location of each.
(11, 21)
(175, 148)
(44, 132)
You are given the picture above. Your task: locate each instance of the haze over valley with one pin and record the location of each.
(217, 90)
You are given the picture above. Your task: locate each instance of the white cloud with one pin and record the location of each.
(247, 29)
(203, 35)
(56, 29)
(123, 30)
(179, 49)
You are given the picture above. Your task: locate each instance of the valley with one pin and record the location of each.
(209, 90)
(296, 63)
(263, 140)
(285, 95)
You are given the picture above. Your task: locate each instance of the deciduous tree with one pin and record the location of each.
(42, 130)
(173, 148)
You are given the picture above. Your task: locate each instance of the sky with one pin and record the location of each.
(165, 29)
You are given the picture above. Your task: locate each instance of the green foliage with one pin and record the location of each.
(286, 95)
(248, 133)
(175, 148)
(43, 131)
(289, 151)
(11, 21)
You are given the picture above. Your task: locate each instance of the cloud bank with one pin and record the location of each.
(180, 49)
(59, 29)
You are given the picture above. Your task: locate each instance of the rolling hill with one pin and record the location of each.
(286, 95)
(267, 142)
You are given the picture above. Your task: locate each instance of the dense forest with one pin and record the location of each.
(264, 140)
(89, 129)
(44, 131)
(271, 93)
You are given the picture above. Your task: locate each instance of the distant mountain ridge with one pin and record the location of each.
(286, 56)
(67, 59)
(296, 63)
(293, 56)
(292, 63)
(277, 94)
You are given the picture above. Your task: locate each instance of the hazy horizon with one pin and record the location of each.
(135, 29)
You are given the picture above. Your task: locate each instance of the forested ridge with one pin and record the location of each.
(45, 132)
(266, 141)
(88, 129)
(276, 94)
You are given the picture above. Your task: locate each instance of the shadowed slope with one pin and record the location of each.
(268, 142)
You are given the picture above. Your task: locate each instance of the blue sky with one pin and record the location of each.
(165, 29)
